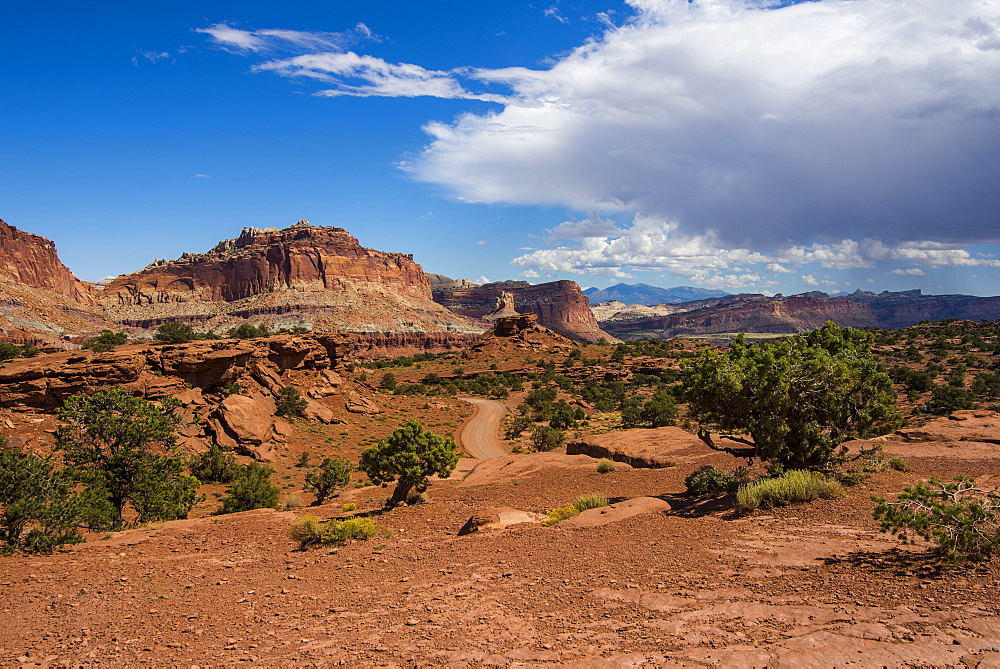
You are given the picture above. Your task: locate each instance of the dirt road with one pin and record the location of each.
(479, 434)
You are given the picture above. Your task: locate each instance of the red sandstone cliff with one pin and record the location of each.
(317, 276)
(31, 260)
(560, 305)
(40, 300)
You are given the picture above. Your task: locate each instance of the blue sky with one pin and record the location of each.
(731, 144)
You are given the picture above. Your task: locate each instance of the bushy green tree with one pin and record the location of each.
(216, 465)
(796, 398)
(946, 399)
(40, 508)
(290, 403)
(9, 351)
(173, 332)
(332, 475)
(546, 438)
(248, 331)
(106, 341)
(409, 456)
(388, 381)
(251, 489)
(116, 441)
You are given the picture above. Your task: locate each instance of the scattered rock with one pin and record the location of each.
(357, 403)
(246, 419)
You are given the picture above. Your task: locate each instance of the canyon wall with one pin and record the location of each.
(560, 305)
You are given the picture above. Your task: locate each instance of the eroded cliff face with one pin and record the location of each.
(320, 277)
(780, 314)
(41, 302)
(31, 260)
(560, 305)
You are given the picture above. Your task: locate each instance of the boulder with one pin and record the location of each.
(316, 411)
(658, 447)
(497, 519)
(615, 512)
(357, 403)
(246, 419)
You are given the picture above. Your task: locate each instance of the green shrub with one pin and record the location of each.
(517, 425)
(388, 381)
(9, 351)
(947, 399)
(310, 530)
(290, 403)
(545, 438)
(791, 487)
(959, 517)
(106, 341)
(251, 489)
(247, 331)
(605, 466)
(216, 465)
(332, 475)
(173, 332)
(709, 480)
(899, 464)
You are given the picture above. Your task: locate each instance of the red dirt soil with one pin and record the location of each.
(811, 585)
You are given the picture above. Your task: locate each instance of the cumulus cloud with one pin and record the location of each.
(913, 271)
(871, 119)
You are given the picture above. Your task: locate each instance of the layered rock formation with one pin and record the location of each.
(559, 305)
(40, 299)
(520, 331)
(320, 277)
(780, 314)
(201, 375)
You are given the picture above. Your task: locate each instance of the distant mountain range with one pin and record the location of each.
(643, 293)
(780, 314)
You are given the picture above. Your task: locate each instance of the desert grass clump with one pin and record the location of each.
(415, 498)
(794, 486)
(350, 506)
(899, 464)
(311, 531)
(605, 466)
(574, 508)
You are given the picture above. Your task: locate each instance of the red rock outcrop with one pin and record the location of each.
(302, 275)
(199, 375)
(659, 447)
(559, 305)
(31, 260)
(41, 302)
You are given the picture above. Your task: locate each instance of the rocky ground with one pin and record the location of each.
(812, 585)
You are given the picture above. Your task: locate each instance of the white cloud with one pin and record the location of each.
(199, 175)
(913, 271)
(271, 40)
(482, 242)
(809, 280)
(481, 280)
(761, 125)
(150, 56)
